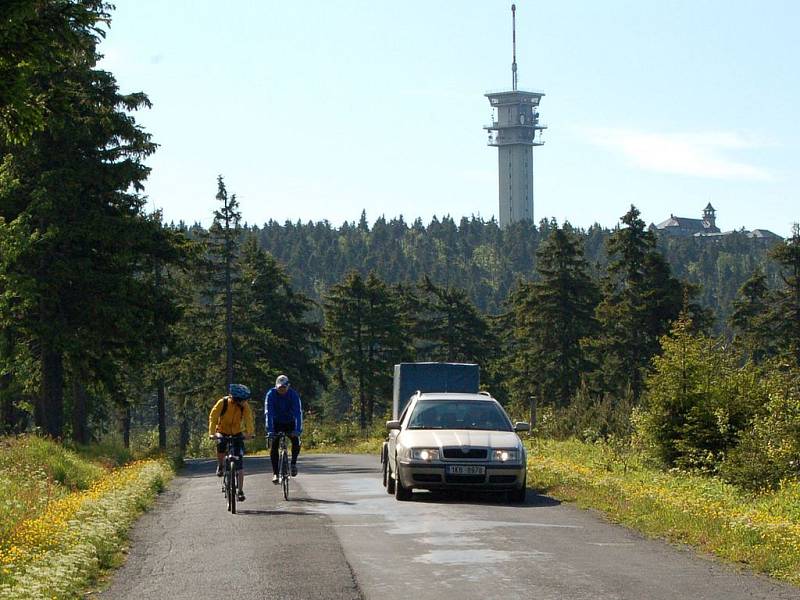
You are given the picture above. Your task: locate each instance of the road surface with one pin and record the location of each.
(340, 536)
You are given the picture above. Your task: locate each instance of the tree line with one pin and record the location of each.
(486, 261)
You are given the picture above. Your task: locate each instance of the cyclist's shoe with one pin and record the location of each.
(294, 470)
(219, 471)
(240, 496)
(275, 479)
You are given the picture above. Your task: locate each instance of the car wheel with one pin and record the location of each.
(390, 484)
(518, 496)
(401, 492)
(385, 472)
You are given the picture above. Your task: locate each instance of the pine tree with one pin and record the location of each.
(749, 322)
(274, 332)
(640, 299)
(39, 40)
(785, 312)
(363, 338)
(219, 269)
(553, 315)
(72, 214)
(450, 328)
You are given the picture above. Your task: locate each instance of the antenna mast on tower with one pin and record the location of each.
(514, 47)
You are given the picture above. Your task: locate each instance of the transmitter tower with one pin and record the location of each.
(515, 130)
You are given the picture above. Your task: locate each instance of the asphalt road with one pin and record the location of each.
(341, 536)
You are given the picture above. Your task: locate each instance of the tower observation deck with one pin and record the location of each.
(514, 130)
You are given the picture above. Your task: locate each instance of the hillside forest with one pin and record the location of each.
(115, 323)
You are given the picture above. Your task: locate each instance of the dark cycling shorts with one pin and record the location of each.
(238, 449)
(287, 428)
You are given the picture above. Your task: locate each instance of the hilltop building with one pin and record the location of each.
(514, 130)
(706, 227)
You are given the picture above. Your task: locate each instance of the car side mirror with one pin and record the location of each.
(522, 426)
(392, 424)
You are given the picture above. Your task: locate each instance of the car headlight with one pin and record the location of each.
(505, 455)
(427, 454)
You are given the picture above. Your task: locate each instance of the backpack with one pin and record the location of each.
(225, 406)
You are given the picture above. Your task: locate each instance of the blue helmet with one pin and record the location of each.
(239, 391)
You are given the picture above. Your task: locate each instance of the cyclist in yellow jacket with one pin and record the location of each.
(232, 415)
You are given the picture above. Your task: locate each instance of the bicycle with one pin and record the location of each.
(229, 480)
(283, 463)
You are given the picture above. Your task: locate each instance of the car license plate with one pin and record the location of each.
(466, 469)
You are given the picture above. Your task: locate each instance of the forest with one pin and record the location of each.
(114, 323)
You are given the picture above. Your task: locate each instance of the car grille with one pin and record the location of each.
(459, 453)
(465, 478)
(427, 477)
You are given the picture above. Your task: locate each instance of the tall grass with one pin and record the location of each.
(63, 517)
(760, 529)
(344, 437)
(35, 472)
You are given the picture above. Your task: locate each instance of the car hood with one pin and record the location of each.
(439, 438)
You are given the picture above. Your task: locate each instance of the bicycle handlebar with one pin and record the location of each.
(223, 436)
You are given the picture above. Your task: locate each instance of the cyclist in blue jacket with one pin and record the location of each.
(283, 412)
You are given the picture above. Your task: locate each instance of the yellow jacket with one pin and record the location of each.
(231, 422)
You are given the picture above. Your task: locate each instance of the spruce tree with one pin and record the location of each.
(219, 270)
(785, 312)
(640, 299)
(39, 40)
(698, 402)
(450, 328)
(71, 209)
(749, 322)
(363, 338)
(553, 315)
(273, 332)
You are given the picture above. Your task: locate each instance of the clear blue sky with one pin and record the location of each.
(315, 109)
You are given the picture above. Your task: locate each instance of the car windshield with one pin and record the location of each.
(458, 414)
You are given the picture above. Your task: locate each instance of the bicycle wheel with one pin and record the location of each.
(285, 475)
(232, 488)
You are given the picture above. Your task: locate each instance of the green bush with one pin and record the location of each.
(698, 401)
(588, 417)
(769, 451)
(339, 436)
(109, 451)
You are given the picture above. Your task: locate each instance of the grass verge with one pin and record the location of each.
(58, 545)
(761, 530)
(343, 438)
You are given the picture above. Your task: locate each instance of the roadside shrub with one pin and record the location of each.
(109, 451)
(698, 401)
(769, 451)
(341, 436)
(589, 417)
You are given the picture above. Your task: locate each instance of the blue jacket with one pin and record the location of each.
(283, 409)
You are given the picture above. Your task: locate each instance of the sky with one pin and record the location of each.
(317, 110)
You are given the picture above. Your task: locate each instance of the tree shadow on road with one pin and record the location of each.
(275, 513)
(206, 467)
(320, 501)
(321, 464)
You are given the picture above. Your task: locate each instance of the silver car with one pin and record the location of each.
(455, 441)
